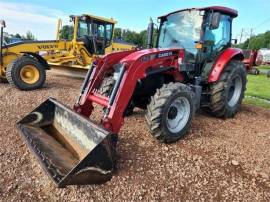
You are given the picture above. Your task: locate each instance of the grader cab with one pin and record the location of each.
(24, 64)
(192, 66)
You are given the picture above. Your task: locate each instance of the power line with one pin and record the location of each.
(262, 23)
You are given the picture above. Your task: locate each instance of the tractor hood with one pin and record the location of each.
(160, 52)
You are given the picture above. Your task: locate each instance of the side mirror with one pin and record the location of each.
(215, 19)
(234, 41)
(3, 23)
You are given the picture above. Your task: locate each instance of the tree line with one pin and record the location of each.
(140, 38)
(8, 38)
(256, 42)
(137, 38)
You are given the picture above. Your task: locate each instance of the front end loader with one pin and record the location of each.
(24, 64)
(186, 71)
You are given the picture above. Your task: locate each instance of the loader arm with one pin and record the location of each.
(132, 68)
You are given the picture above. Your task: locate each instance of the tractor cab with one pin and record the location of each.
(202, 32)
(95, 32)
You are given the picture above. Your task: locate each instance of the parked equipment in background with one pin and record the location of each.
(264, 54)
(24, 64)
(186, 71)
(252, 60)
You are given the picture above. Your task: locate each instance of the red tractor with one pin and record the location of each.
(192, 66)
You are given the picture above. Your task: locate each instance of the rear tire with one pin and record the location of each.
(170, 112)
(227, 93)
(26, 73)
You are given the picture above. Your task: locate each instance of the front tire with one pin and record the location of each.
(106, 90)
(170, 112)
(107, 86)
(26, 73)
(227, 93)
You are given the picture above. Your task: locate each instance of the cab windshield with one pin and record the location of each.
(97, 35)
(101, 30)
(182, 30)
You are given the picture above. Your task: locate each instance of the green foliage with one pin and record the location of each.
(18, 36)
(137, 38)
(117, 33)
(67, 32)
(256, 42)
(11, 38)
(29, 36)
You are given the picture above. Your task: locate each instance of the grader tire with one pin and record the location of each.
(170, 112)
(227, 93)
(26, 73)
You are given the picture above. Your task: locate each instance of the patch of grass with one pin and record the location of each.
(258, 86)
(254, 101)
(264, 67)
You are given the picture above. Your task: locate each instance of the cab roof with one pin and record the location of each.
(221, 9)
(109, 20)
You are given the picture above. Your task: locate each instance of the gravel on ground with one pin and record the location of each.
(218, 160)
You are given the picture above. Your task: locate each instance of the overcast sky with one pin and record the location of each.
(40, 16)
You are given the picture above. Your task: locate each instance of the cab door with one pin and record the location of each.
(219, 38)
(215, 41)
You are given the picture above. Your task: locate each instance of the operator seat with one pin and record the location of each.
(88, 43)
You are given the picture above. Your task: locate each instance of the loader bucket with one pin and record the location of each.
(70, 148)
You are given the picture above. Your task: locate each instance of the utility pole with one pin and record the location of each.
(251, 32)
(241, 35)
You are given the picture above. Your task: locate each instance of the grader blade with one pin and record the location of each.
(70, 148)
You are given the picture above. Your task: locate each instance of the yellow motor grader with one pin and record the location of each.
(24, 64)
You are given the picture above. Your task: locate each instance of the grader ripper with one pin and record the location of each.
(24, 64)
(193, 66)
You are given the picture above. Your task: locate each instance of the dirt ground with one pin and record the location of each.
(218, 160)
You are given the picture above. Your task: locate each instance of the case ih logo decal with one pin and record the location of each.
(166, 54)
(154, 56)
(47, 46)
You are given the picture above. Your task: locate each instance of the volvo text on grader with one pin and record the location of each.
(192, 66)
(24, 64)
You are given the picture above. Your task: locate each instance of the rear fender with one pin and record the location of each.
(222, 61)
(39, 58)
